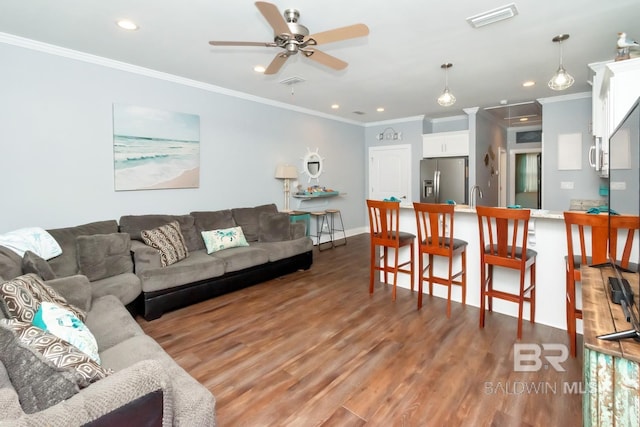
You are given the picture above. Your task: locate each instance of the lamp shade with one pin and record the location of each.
(286, 172)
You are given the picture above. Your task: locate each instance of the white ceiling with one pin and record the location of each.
(397, 66)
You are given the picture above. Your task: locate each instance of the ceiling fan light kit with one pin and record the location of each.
(561, 80)
(446, 99)
(294, 37)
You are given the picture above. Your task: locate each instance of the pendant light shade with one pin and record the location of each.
(561, 80)
(446, 99)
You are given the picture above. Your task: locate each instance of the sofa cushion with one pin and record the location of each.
(75, 289)
(274, 227)
(38, 383)
(34, 263)
(104, 255)
(110, 322)
(282, 250)
(248, 218)
(65, 325)
(66, 264)
(217, 240)
(198, 266)
(169, 240)
(126, 287)
(57, 352)
(236, 259)
(21, 297)
(10, 263)
(135, 224)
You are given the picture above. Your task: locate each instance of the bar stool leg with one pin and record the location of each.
(343, 240)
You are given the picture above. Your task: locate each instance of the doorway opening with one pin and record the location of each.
(526, 178)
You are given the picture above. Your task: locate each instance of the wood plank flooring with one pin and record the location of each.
(315, 349)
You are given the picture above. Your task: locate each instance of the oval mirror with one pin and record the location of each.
(312, 165)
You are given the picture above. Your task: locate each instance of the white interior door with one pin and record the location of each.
(390, 173)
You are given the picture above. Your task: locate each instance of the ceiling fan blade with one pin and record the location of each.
(325, 59)
(273, 17)
(344, 33)
(277, 63)
(225, 43)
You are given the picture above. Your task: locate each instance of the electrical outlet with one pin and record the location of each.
(566, 185)
(618, 185)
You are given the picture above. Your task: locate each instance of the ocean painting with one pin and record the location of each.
(155, 149)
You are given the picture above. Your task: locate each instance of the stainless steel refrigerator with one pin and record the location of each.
(443, 179)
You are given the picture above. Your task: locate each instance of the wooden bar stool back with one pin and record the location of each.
(590, 249)
(384, 224)
(503, 243)
(435, 238)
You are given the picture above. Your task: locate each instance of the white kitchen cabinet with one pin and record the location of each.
(445, 144)
(616, 86)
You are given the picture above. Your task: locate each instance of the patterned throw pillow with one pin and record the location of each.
(21, 298)
(217, 240)
(57, 352)
(64, 325)
(168, 240)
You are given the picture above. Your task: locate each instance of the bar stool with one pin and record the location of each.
(603, 229)
(433, 220)
(321, 220)
(503, 243)
(332, 227)
(384, 224)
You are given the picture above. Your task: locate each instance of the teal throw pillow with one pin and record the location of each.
(217, 240)
(65, 325)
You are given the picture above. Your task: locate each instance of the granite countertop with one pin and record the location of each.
(535, 213)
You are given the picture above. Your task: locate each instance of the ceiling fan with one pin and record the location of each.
(294, 38)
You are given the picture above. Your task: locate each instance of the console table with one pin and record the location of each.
(611, 370)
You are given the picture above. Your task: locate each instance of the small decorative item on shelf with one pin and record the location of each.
(316, 191)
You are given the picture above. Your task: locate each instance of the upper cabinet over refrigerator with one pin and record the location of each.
(616, 86)
(445, 144)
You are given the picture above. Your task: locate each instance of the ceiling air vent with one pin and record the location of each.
(292, 81)
(360, 113)
(492, 16)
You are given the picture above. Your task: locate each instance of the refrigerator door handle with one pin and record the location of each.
(436, 180)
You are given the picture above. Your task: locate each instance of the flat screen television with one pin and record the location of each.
(624, 199)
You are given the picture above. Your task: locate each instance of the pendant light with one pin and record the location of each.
(561, 80)
(446, 99)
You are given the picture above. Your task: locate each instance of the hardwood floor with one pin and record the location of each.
(314, 349)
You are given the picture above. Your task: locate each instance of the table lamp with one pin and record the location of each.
(286, 172)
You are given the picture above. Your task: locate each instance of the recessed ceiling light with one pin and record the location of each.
(259, 69)
(524, 119)
(528, 83)
(335, 106)
(380, 109)
(126, 24)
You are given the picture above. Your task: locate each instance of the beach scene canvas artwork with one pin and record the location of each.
(155, 149)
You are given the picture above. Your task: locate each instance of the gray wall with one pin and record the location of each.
(566, 116)
(56, 145)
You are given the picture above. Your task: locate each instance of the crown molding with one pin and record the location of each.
(147, 72)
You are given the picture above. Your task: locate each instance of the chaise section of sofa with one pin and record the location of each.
(274, 247)
(145, 386)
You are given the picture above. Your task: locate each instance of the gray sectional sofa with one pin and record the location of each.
(275, 247)
(108, 271)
